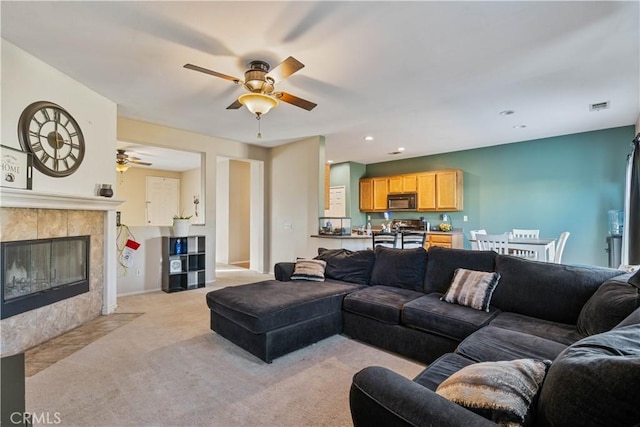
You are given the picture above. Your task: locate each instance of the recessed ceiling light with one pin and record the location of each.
(368, 138)
(520, 126)
(507, 112)
(329, 161)
(400, 148)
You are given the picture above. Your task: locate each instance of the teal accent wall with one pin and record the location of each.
(349, 174)
(564, 183)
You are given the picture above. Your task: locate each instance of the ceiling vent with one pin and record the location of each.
(393, 153)
(599, 106)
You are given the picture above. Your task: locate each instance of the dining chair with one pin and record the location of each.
(562, 241)
(413, 239)
(493, 242)
(472, 235)
(389, 240)
(523, 233)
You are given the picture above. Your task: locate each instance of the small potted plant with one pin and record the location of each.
(181, 225)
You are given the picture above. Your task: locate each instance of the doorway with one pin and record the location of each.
(240, 213)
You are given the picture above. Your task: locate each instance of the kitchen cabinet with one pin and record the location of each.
(183, 264)
(436, 190)
(444, 240)
(366, 195)
(402, 184)
(373, 194)
(426, 191)
(440, 190)
(380, 192)
(449, 190)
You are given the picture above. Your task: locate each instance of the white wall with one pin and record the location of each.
(162, 136)
(190, 183)
(296, 203)
(26, 79)
(222, 211)
(239, 220)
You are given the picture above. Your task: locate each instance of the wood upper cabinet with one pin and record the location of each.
(373, 194)
(426, 191)
(449, 190)
(437, 190)
(402, 184)
(380, 191)
(366, 194)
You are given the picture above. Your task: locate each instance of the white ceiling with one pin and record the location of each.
(431, 77)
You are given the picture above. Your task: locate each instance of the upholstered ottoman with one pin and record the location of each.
(272, 318)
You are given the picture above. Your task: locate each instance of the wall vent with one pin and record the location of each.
(599, 106)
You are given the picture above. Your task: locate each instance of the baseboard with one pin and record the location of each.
(146, 291)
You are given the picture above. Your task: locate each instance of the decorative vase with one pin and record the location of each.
(181, 227)
(106, 190)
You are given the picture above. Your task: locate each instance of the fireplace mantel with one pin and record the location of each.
(15, 198)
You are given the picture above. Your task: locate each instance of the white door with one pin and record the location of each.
(163, 200)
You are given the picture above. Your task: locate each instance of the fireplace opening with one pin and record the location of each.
(36, 273)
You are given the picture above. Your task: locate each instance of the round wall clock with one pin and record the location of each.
(54, 138)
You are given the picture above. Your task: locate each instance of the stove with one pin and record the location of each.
(408, 225)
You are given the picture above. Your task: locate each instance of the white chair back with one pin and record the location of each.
(493, 242)
(522, 233)
(413, 239)
(562, 241)
(472, 236)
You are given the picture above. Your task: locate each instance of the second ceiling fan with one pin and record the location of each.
(259, 81)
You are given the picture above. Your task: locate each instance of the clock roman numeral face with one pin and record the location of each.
(54, 138)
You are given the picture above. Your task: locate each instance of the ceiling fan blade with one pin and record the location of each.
(294, 100)
(235, 105)
(285, 69)
(211, 72)
(141, 163)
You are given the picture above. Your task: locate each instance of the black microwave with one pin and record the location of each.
(401, 202)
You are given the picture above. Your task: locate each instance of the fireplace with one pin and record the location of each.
(39, 272)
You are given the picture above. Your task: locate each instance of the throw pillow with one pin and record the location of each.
(346, 265)
(608, 306)
(309, 269)
(400, 268)
(500, 391)
(472, 288)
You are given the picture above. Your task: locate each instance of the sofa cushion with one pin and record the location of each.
(441, 369)
(632, 319)
(309, 269)
(559, 332)
(491, 344)
(500, 391)
(545, 290)
(382, 303)
(265, 306)
(472, 288)
(608, 306)
(429, 313)
(346, 265)
(443, 262)
(400, 268)
(594, 382)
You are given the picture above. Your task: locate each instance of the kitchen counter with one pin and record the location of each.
(355, 242)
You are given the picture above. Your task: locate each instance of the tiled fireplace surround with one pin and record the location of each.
(63, 216)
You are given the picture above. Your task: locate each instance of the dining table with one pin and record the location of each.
(543, 247)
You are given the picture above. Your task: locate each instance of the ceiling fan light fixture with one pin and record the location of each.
(120, 167)
(258, 103)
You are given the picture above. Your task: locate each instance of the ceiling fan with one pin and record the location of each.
(259, 81)
(124, 161)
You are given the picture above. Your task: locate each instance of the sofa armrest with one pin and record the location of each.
(380, 397)
(284, 270)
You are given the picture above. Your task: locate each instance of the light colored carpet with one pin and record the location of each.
(167, 368)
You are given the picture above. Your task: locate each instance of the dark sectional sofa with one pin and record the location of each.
(391, 298)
